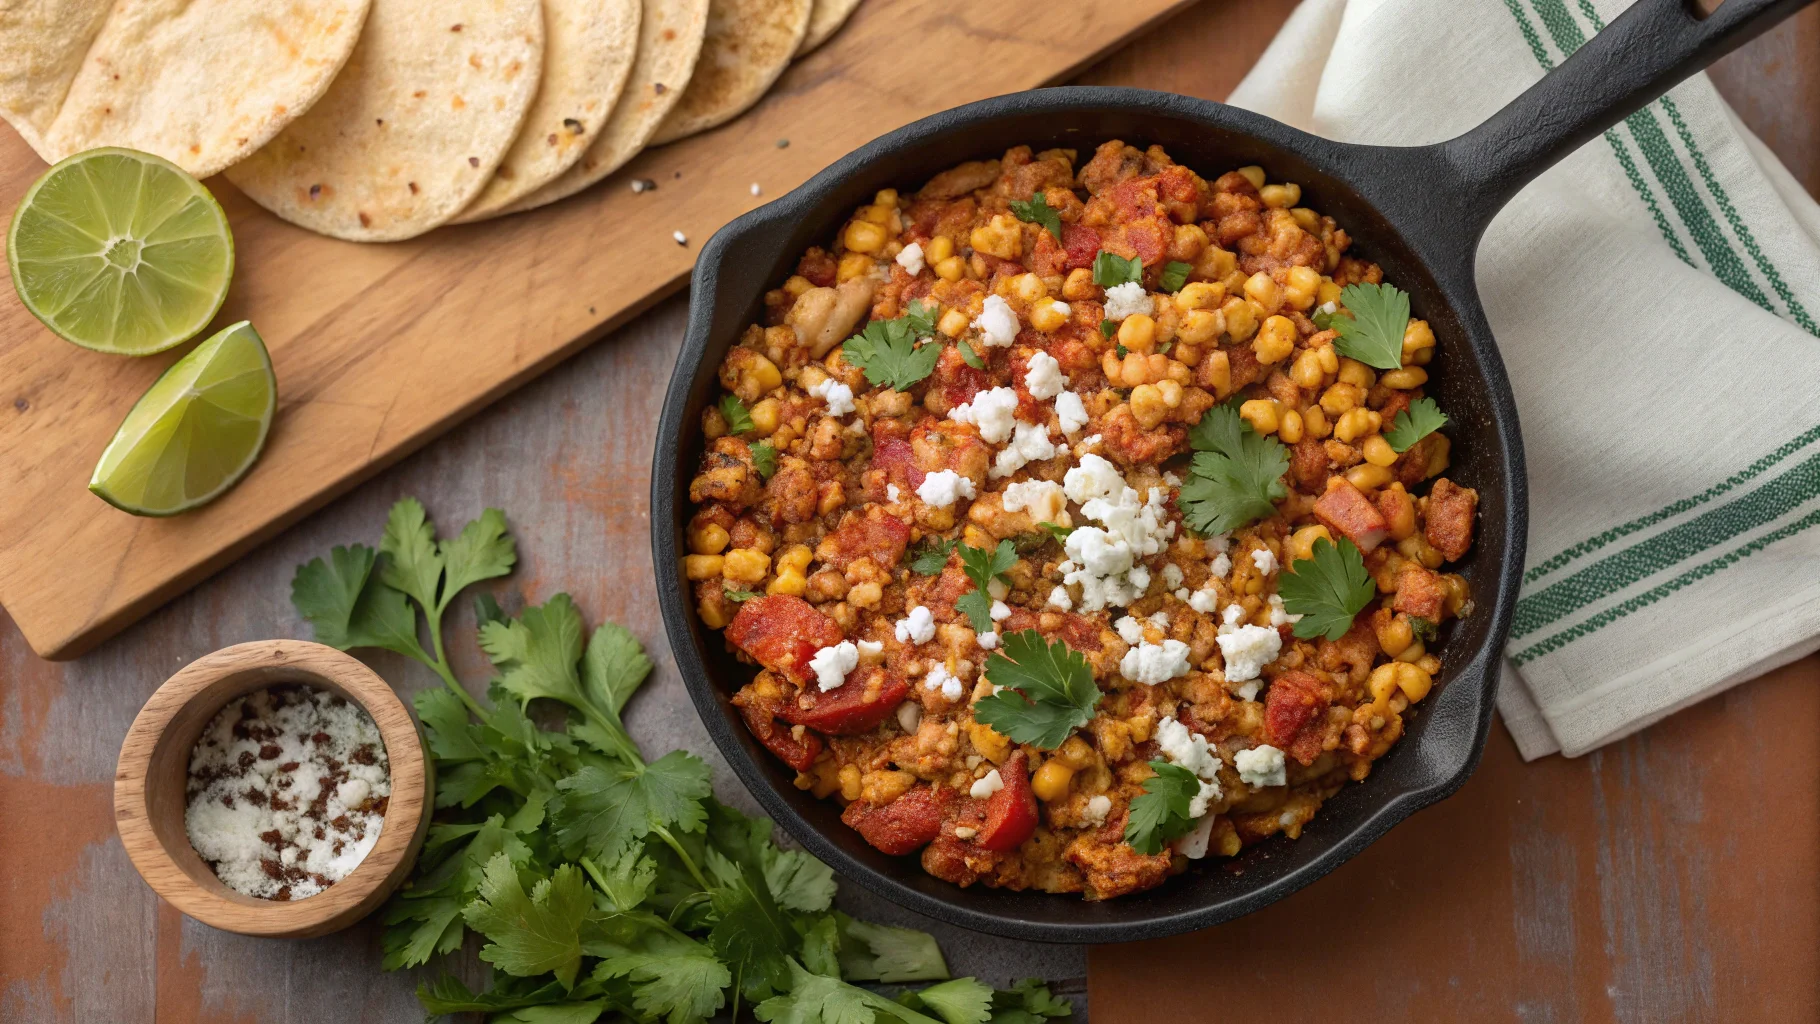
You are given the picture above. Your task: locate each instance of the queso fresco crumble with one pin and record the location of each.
(1080, 523)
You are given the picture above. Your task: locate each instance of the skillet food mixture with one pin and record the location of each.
(1112, 540)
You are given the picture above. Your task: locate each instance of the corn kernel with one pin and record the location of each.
(1306, 219)
(1352, 425)
(1047, 315)
(1357, 374)
(864, 236)
(1417, 336)
(1241, 319)
(1367, 477)
(765, 417)
(1314, 422)
(796, 285)
(713, 614)
(885, 197)
(1395, 635)
(1253, 174)
(1075, 753)
(939, 248)
(1399, 511)
(951, 269)
(1261, 413)
(865, 595)
(852, 265)
(746, 565)
(708, 539)
(1147, 406)
(1291, 429)
(1378, 451)
(1003, 237)
(788, 583)
(1382, 683)
(1079, 285)
(1029, 287)
(1138, 333)
(794, 558)
(1328, 291)
(1275, 340)
(703, 567)
(1300, 289)
(993, 746)
(1306, 370)
(954, 321)
(1413, 653)
(1280, 197)
(1051, 781)
(1200, 295)
(1414, 682)
(1405, 378)
(1301, 543)
(850, 786)
(1263, 289)
(1341, 399)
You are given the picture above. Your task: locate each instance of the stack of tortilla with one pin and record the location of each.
(378, 120)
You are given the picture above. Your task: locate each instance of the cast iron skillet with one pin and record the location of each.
(1417, 211)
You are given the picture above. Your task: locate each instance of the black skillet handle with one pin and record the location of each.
(1639, 56)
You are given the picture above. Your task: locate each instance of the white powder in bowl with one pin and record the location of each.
(287, 791)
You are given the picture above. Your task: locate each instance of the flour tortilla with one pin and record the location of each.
(749, 44)
(202, 83)
(824, 21)
(413, 127)
(669, 40)
(588, 50)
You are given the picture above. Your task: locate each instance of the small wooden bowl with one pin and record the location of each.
(150, 797)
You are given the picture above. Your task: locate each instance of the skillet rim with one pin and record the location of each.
(1448, 260)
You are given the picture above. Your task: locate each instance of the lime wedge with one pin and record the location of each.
(195, 431)
(120, 251)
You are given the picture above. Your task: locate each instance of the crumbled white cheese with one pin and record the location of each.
(1093, 477)
(1221, 567)
(1097, 809)
(1000, 611)
(1160, 619)
(870, 651)
(986, 785)
(911, 259)
(1249, 690)
(838, 396)
(1189, 749)
(988, 640)
(994, 412)
(1232, 616)
(1062, 308)
(1031, 444)
(1129, 629)
(1059, 599)
(1043, 376)
(1172, 576)
(997, 323)
(1330, 308)
(916, 627)
(1043, 499)
(909, 716)
(831, 664)
(1264, 560)
(1279, 617)
(891, 492)
(939, 678)
(1123, 300)
(1246, 649)
(1171, 479)
(1261, 766)
(965, 831)
(1152, 664)
(1070, 411)
(1194, 843)
(1182, 594)
(944, 487)
(1204, 600)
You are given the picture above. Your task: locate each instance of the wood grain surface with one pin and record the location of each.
(379, 348)
(1674, 876)
(152, 777)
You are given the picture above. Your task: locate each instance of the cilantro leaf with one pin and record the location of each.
(887, 350)
(817, 999)
(1175, 275)
(482, 551)
(739, 596)
(538, 652)
(626, 878)
(764, 459)
(1108, 328)
(797, 881)
(1160, 814)
(1048, 691)
(968, 356)
(977, 607)
(1111, 269)
(1374, 333)
(674, 978)
(448, 995)
(1060, 533)
(1324, 321)
(446, 727)
(1236, 476)
(1033, 997)
(960, 1001)
(880, 952)
(739, 421)
(554, 1013)
(982, 567)
(1422, 418)
(486, 609)
(1327, 590)
(412, 565)
(750, 933)
(1037, 210)
(934, 556)
(614, 666)
(432, 927)
(531, 934)
(597, 810)
(348, 608)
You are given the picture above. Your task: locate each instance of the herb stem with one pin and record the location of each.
(688, 861)
(441, 667)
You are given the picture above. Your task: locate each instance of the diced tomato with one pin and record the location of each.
(946, 858)
(867, 697)
(1010, 812)
(898, 461)
(1133, 199)
(957, 381)
(875, 534)
(782, 633)
(1346, 511)
(797, 753)
(1148, 239)
(1293, 709)
(902, 826)
(1082, 244)
(1048, 257)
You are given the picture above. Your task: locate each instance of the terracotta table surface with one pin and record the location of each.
(1669, 877)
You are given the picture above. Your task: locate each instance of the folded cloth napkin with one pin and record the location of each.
(1656, 298)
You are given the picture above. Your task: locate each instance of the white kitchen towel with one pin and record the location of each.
(1655, 297)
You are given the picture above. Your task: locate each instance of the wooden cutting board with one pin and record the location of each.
(379, 348)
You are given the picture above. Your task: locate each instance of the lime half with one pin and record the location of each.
(195, 431)
(120, 251)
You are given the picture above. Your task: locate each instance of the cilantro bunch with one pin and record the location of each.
(1236, 476)
(602, 885)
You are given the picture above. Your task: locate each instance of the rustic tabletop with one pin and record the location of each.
(1669, 877)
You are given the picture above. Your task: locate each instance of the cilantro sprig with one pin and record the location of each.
(600, 885)
(982, 566)
(1160, 814)
(764, 459)
(1236, 476)
(888, 352)
(1328, 590)
(1036, 210)
(1175, 276)
(932, 557)
(738, 417)
(1374, 333)
(1111, 270)
(1048, 691)
(1422, 418)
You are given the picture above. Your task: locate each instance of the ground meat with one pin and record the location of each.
(1450, 512)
